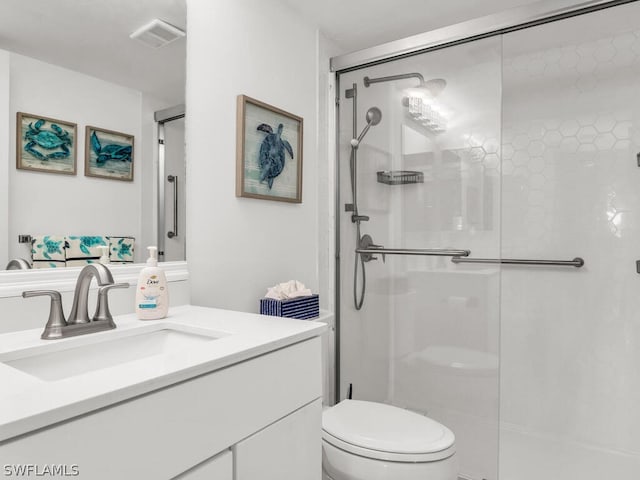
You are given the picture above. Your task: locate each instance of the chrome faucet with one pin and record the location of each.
(79, 322)
(79, 310)
(18, 264)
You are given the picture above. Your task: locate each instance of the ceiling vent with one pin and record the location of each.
(157, 33)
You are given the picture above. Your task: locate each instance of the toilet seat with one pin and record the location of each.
(385, 432)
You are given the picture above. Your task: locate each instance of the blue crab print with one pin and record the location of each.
(122, 249)
(110, 151)
(49, 246)
(272, 154)
(47, 140)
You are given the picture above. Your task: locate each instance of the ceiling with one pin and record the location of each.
(92, 37)
(356, 24)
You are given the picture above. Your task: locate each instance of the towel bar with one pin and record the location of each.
(576, 262)
(443, 252)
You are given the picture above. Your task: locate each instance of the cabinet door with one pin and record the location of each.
(219, 467)
(291, 448)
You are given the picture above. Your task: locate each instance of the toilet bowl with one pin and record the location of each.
(373, 441)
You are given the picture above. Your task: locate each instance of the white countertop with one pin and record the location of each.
(28, 403)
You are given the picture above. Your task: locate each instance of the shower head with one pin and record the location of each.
(435, 86)
(374, 116)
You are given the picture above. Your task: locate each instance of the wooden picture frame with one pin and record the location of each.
(268, 152)
(45, 144)
(108, 154)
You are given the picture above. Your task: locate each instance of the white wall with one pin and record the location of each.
(237, 247)
(326, 172)
(43, 203)
(4, 154)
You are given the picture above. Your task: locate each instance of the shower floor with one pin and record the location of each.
(525, 456)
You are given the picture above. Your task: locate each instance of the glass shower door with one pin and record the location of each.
(427, 176)
(570, 338)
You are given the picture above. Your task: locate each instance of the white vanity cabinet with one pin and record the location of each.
(259, 418)
(219, 467)
(284, 450)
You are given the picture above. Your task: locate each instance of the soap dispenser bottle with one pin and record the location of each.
(152, 295)
(104, 254)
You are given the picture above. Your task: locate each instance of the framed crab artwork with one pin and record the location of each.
(108, 154)
(269, 152)
(45, 144)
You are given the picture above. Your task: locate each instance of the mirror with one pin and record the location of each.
(73, 62)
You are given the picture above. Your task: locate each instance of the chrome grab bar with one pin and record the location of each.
(442, 252)
(174, 179)
(576, 262)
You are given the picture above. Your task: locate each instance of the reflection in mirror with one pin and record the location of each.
(76, 64)
(172, 212)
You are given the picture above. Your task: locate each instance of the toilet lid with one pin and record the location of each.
(385, 428)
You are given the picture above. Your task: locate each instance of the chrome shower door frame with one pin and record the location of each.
(537, 13)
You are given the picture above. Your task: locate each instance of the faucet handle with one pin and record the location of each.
(53, 328)
(102, 309)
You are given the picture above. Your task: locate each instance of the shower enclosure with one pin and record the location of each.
(488, 228)
(171, 183)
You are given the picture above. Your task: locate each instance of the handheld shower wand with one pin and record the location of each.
(374, 115)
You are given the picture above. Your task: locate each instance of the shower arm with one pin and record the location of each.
(368, 81)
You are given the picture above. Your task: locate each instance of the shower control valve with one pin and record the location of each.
(371, 257)
(366, 243)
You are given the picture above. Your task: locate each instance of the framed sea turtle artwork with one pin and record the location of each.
(45, 144)
(108, 154)
(269, 152)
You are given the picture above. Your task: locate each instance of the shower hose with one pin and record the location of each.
(358, 297)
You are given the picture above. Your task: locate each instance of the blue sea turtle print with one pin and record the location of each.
(39, 138)
(110, 151)
(123, 250)
(272, 154)
(88, 242)
(49, 246)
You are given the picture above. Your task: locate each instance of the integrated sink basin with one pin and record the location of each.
(63, 359)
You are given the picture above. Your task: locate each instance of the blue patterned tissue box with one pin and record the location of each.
(302, 308)
(84, 246)
(38, 264)
(82, 262)
(121, 249)
(48, 248)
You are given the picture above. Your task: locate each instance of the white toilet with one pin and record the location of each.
(373, 441)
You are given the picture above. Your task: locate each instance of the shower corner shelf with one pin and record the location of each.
(400, 177)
